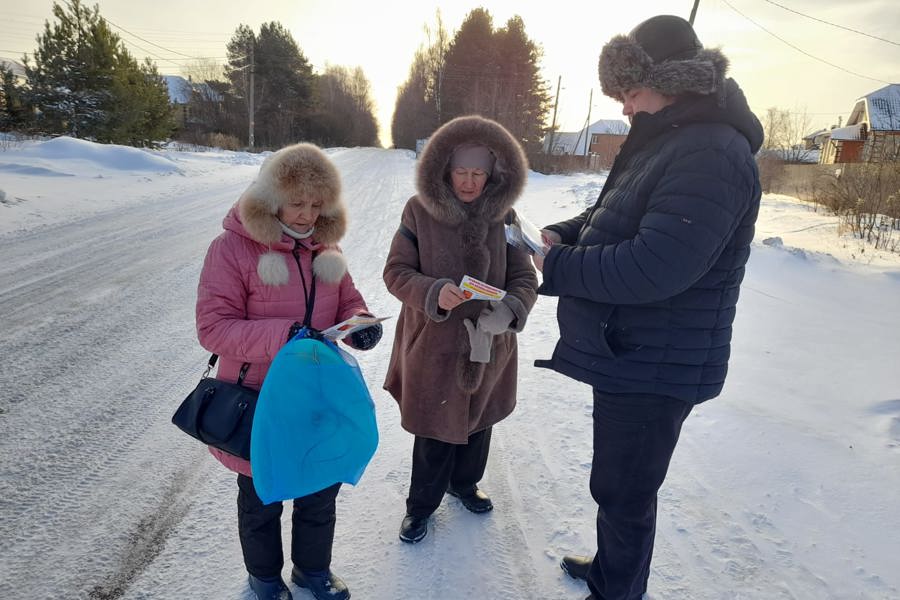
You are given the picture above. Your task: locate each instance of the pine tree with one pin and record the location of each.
(523, 98)
(241, 49)
(85, 83)
(144, 115)
(471, 83)
(71, 78)
(13, 110)
(493, 73)
(283, 82)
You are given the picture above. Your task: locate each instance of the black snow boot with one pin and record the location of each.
(269, 589)
(576, 566)
(413, 529)
(474, 500)
(324, 585)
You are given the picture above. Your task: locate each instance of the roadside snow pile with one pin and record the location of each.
(95, 156)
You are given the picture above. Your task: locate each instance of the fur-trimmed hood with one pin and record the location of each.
(625, 63)
(298, 171)
(503, 187)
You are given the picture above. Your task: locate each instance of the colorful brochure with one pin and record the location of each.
(474, 289)
(345, 328)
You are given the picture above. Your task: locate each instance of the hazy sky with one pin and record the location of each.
(381, 37)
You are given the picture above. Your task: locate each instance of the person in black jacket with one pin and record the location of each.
(648, 279)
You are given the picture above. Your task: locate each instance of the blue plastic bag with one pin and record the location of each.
(314, 424)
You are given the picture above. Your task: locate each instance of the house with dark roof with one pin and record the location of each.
(872, 132)
(184, 93)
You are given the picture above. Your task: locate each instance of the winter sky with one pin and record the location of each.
(382, 37)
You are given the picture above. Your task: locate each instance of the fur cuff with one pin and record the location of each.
(272, 269)
(519, 310)
(330, 266)
(434, 312)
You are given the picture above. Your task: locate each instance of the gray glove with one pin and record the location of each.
(495, 318)
(480, 341)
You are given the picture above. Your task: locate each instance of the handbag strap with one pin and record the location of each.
(310, 294)
(213, 358)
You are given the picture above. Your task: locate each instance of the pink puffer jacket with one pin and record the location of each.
(243, 319)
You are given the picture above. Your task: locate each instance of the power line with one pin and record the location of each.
(124, 41)
(147, 41)
(801, 50)
(797, 12)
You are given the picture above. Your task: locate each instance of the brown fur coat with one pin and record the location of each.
(441, 393)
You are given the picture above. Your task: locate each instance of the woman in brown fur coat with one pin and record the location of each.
(453, 364)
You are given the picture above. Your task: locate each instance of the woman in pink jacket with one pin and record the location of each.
(277, 257)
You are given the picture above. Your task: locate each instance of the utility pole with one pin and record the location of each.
(587, 156)
(251, 109)
(553, 125)
(694, 12)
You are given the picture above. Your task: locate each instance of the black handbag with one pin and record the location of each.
(219, 413)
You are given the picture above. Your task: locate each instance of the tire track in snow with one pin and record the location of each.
(147, 539)
(100, 348)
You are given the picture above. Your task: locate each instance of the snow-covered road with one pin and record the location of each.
(785, 487)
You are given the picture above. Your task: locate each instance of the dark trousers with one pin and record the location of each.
(259, 526)
(634, 438)
(438, 465)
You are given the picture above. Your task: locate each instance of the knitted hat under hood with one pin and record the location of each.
(301, 171)
(663, 54)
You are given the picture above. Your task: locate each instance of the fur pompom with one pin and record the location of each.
(330, 266)
(272, 269)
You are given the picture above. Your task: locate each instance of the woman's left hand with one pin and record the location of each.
(538, 262)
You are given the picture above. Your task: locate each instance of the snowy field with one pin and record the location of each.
(785, 487)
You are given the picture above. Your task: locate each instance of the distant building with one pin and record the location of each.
(183, 94)
(814, 140)
(872, 133)
(601, 140)
(17, 68)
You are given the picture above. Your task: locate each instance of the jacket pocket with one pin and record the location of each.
(415, 331)
(584, 324)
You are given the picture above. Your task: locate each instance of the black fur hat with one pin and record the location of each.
(664, 54)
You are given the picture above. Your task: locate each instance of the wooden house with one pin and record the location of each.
(872, 132)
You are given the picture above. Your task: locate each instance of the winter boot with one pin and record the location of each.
(474, 500)
(413, 529)
(324, 585)
(269, 589)
(576, 566)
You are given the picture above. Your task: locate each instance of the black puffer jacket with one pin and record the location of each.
(649, 277)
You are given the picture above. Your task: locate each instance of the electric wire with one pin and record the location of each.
(801, 50)
(797, 12)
